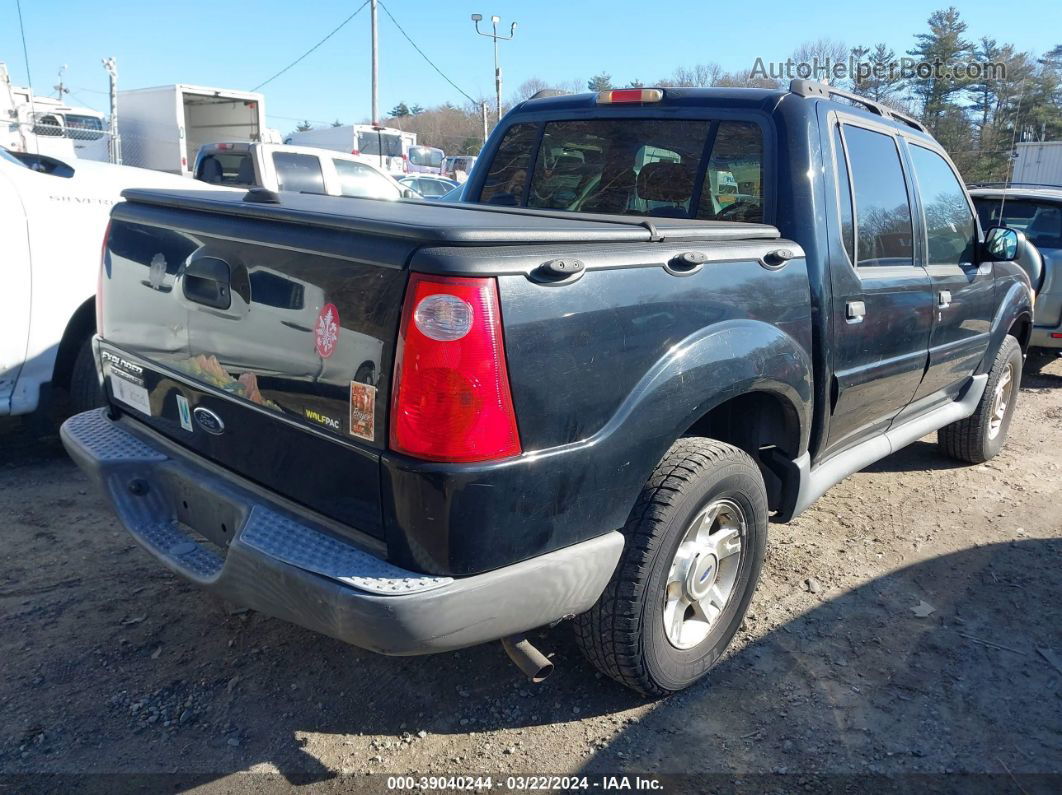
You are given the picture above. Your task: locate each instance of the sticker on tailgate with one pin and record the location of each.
(132, 395)
(362, 410)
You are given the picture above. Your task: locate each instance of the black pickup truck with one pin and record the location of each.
(659, 318)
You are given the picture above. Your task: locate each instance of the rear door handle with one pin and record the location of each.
(854, 311)
(206, 282)
(944, 299)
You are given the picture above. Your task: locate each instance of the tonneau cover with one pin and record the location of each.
(455, 224)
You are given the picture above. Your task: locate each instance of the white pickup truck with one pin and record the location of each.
(53, 214)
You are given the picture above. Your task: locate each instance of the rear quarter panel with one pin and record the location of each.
(606, 373)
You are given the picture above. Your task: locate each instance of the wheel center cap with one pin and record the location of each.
(702, 576)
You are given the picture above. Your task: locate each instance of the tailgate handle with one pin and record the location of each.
(206, 282)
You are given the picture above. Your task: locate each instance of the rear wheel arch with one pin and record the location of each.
(757, 421)
(82, 326)
(1021, 330)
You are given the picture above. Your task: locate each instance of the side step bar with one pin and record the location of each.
(814, 482)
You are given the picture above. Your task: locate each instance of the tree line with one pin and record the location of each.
(977, 112)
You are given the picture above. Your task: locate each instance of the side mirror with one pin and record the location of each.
(1001, 244)
(1010, 245)
(409, 193)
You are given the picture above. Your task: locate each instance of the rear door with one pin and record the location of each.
(963, 288)
(882, 298)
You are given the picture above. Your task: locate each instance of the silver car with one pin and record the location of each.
(1037, 211)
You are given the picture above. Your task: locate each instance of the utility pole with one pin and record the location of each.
(61, 88)
(483, 112)
(476, 19)
(375, 67)
(111, 65)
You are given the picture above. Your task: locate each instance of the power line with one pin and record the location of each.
(25, 50)
(314, 47)
(425, 57)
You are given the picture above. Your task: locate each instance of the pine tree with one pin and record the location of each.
(943, 47)
(600, 82)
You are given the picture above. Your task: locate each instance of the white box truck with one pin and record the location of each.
(386, 148)
(162, 128)
(1038, 162)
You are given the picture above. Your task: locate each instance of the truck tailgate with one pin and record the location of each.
(270, 360)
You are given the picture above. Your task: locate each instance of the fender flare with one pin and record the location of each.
(706, 369)
(1014, 303)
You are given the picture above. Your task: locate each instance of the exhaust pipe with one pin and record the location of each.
(535, 665)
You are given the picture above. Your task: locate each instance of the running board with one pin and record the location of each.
(814, 482)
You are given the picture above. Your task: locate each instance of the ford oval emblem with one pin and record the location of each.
(208, 421)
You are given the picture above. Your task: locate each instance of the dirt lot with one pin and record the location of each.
(909, 623)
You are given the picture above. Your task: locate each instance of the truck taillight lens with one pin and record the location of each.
(451, 392)
(99, 280)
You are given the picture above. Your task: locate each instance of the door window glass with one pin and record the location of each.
(299, 173)
(358, 179)
(950, 227)
(883, 212)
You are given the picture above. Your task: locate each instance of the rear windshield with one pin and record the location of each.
(375, 143)
(425, 156)
(1040, 221)
(675, 168)
(226, 169)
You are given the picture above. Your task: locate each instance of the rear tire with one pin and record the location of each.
(85, 392)
(981, 436)
(652, 629)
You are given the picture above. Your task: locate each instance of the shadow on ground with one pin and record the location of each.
(96, 638)
(864, 685)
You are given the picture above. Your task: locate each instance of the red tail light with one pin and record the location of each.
(355, 152)
(99, 280)
(451, 392)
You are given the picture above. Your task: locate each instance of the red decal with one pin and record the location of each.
(326, 331)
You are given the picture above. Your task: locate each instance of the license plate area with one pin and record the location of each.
(204, 513)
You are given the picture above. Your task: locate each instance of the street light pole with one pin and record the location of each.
(476, 19)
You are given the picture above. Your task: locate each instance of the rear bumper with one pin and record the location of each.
(265, 556)
(1041, 337)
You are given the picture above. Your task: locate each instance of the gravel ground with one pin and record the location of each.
(909, 623)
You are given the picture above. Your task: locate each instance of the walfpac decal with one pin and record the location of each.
(326, 331)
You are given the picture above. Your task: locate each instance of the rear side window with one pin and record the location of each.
(507, 177)
(299, 173)
(882, 209)
(358, 179)
(950, 226)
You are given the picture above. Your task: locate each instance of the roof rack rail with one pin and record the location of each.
(1007, 184)
(814, 88)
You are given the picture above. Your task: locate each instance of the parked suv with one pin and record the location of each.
(660, 319)
(1035, 210)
